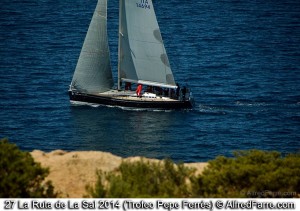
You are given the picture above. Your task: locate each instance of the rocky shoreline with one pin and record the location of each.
(70, 172)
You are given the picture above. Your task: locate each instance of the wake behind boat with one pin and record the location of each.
(145, 78)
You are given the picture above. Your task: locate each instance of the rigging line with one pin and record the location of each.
(146, 41)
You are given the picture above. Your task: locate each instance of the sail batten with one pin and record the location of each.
(93, 69)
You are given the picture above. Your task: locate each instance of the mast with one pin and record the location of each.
(119, 44)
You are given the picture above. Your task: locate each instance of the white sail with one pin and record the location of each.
(93, 71)
(142, 55)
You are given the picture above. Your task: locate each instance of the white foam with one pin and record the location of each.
(79, 103)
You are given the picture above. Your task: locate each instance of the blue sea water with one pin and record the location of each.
(240, 58)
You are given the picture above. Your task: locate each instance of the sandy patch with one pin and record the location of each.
(70, 172)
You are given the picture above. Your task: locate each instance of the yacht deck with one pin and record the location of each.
(131, 95)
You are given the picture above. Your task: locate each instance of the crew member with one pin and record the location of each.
(139, 90)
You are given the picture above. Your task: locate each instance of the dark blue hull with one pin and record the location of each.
(110, 100)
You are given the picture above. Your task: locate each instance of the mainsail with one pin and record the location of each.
(142, 55)
(93, 71)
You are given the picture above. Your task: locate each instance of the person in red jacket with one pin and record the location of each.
(139, 90)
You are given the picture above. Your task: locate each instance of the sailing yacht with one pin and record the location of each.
(145, 78)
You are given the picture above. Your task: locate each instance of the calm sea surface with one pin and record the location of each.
(240, 58)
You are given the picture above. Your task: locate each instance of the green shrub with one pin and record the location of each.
(20, 176)
(143, 180)
(250, 174)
